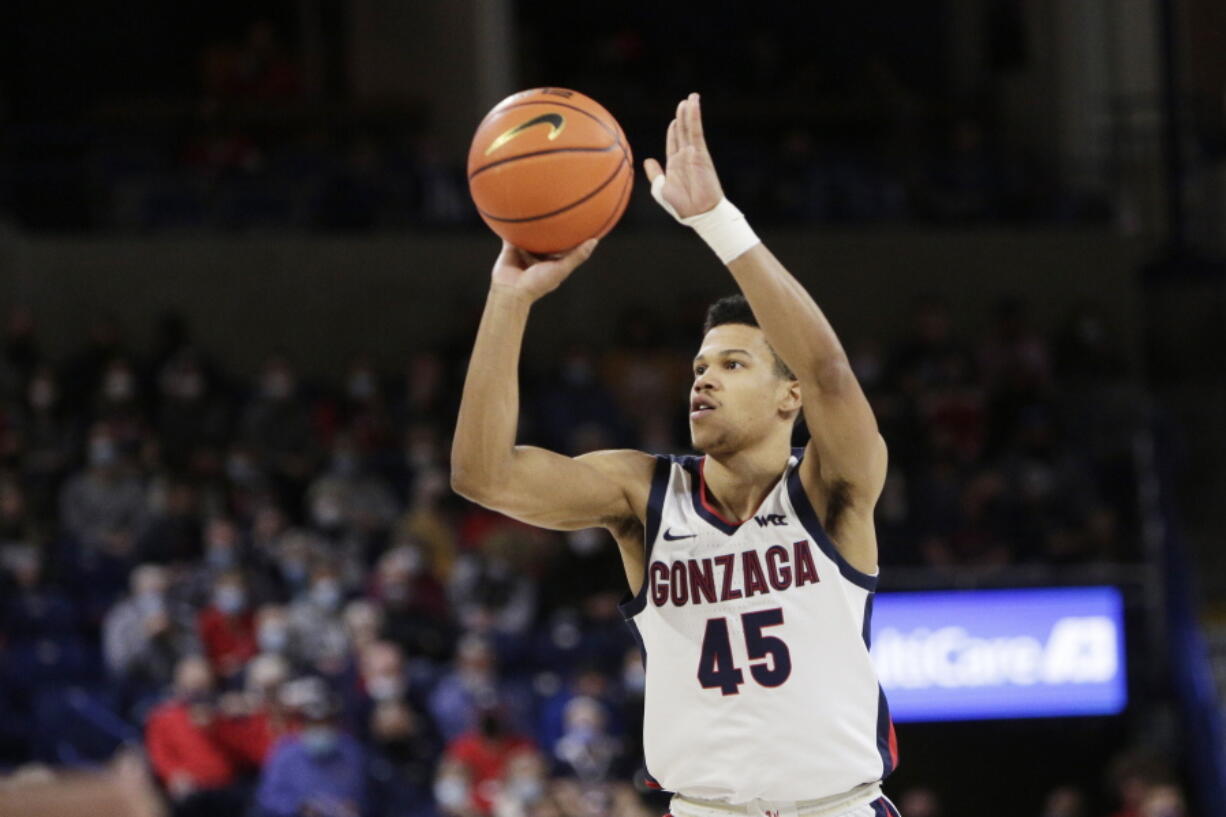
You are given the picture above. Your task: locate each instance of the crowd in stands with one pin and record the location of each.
(267, 583)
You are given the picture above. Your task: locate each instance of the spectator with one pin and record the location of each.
(172, 533)
(254, 718)
(197, 771)
(227, 626)
(523, 786)
(49, 436)
(484, 754)
(277, 428)
(318, 771)
(415, 602)
(145, 635)
(315, 621)
(402, 763)
(103, 505)
(462, 693)
(586, 750)
(348, 499)
(188, 417)
(274, 635)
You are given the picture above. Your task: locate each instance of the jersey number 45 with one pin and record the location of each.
(716, 668)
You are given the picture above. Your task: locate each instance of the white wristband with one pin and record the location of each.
(723, 227)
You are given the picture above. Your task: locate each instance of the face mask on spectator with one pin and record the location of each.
(327, 511)
(326, 594)
(273, 637)
(230, 599)
(220, 557)
(294, 571)
(385, 687)
(103, 452)
(451, 792)
(525, 789)
(150, 603)
(319, 740)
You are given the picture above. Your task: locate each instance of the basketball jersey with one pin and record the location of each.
(755, 641)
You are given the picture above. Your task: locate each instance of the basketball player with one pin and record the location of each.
(752, 567)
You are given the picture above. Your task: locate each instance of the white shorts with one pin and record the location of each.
(862, 801)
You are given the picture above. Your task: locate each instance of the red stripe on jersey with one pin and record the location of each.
(893, 746)
(702, 494)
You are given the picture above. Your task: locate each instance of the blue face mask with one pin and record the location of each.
(319, 740)
(230, 599)
(326, 594)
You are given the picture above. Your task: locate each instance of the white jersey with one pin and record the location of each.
(755, 640)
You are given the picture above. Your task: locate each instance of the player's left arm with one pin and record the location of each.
(845, 463)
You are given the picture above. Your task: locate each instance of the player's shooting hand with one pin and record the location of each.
(532, 277)
(691, 185)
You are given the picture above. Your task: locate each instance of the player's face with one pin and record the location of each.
(737, 397)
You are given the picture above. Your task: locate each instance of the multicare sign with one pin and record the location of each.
(980, 654)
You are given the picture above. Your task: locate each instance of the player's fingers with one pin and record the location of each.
(509, 254)
(670, 141)
(696, 132)
(652, 168)
(577, 256)
(683, 130)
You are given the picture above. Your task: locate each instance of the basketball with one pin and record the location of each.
(548, 169)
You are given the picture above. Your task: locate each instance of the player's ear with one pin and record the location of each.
(790, 399)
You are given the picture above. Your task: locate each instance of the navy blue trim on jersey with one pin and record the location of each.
(882, 807)
(638, 639)
(867, 630)
(886, 742)
(808, 518)
(660, 477)
(886, 746)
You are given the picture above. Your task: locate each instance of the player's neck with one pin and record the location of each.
(737, 483)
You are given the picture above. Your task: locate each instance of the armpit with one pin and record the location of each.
(838, 500)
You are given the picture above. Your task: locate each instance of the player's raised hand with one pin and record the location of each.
(535, 277)
(690, 184)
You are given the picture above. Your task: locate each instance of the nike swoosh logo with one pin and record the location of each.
(669, 538)
(555, 121)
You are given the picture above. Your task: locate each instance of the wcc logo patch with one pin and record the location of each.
(769, 519)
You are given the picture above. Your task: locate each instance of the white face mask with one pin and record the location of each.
(385, 687)
(451, 792)
(326, 594)
(273, 637)
(230, 599)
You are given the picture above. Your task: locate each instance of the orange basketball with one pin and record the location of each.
(548, 169)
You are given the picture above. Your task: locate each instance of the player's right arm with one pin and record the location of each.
(540, 487)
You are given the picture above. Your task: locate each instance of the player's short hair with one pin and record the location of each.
(735, 309)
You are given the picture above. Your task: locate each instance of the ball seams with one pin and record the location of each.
(546, 152)
(576, 203)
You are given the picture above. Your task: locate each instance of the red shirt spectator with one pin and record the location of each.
(248, 738)
(183, 749)
(486, 758)
(229, 640)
